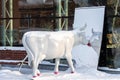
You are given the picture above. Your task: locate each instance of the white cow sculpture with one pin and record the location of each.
(52, 45)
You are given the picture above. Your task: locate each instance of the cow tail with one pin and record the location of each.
(22, 62)
(29, 53)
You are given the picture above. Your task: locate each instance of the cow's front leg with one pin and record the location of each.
(57, 62)
(69, 59)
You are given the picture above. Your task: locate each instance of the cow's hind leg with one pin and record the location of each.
(35, 64)
(35, 69)
(40, 58)
(69, 59)
(57, 62)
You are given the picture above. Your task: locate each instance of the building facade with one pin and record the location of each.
(27, 16)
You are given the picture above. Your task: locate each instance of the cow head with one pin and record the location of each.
(95, 35)
(95, 40)
(80, 37)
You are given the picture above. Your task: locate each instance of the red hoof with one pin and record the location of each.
(72, 72)
(89, 44)
(34, 77)
(38, 74)
(55, 72)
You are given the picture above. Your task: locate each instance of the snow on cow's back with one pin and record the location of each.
(60, 35)
(52, 33)
(36, 33)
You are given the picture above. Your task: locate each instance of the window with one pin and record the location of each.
(109, 56)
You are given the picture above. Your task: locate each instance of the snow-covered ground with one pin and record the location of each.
(86, 69)
(83, 73)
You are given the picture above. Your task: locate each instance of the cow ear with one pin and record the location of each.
(81, 34)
